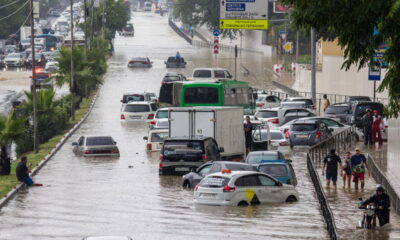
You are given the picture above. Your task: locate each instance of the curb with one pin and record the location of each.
(35, 171)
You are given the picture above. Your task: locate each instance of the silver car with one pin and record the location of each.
(140, 62)
(14, 60)
(96, 146)
(308, 132)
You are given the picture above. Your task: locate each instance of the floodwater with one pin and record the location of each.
(125, 196)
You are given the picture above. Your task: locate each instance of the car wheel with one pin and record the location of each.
(243, 204)
(291, 199)
(186, 184)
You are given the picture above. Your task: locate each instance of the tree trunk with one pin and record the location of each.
(5, 161)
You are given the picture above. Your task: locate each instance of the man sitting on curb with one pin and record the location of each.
(22, 173)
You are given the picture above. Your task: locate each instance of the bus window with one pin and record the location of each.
(230, 97)
(198, 95)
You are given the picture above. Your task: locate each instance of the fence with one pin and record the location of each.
(341, 142)
(381, 178)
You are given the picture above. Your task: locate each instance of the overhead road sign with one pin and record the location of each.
(244, 14)
(243, 24)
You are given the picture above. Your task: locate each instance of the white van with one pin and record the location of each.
(147, 6)
(210, 74)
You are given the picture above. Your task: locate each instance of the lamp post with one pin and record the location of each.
(72, 83)
(33, 82)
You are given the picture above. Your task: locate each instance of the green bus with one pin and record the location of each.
(219, 93)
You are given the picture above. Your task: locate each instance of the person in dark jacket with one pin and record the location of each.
(367, 121)
(22, 172)
(382, 203)
(331, 162)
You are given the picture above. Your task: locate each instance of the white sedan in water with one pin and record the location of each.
(242, 188)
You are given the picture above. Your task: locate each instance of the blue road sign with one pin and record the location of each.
(374, 73)
(216, 32)
(235, 7)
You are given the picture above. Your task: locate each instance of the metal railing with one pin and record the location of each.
(341, 141)
(179, 32)
(381, 178)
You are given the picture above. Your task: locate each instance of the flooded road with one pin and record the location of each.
(126, 196)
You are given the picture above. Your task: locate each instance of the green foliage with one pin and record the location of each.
(11, 129)
(304, 59)
(353, 23)
(11, 25)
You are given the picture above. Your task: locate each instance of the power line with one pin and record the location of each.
(9, 4)
(19, 29)
(1, 19)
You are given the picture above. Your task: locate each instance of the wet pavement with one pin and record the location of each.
(125, 196)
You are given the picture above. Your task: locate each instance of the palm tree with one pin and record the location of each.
(11, 129)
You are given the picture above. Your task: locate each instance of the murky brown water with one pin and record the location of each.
(86, 196)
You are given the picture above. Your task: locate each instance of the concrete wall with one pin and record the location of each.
(393, 157)
(333, 80)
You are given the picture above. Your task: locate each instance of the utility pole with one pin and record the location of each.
(86, 27)
(72, 83)
(313, 66)
(33, 83)
(297, 44)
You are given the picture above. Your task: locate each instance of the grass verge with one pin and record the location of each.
(8, 182)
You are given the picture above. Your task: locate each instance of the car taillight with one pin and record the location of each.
(318, 134)
(284, 143)
(149, 146)
(313, 107)
(260, 105)
(153, 122)
(122, 116)
(160, 166)
(115, 151)
(88, 152)
(274, 121)
(229, 189)
(131, 62)
(204, 157)
(196, 187)
(288, 181)
(161, 157)
(286, 133)
(150, 116)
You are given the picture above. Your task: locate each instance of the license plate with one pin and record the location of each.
(208, 195)
(182, 169)
(302, 136)
(135, 117)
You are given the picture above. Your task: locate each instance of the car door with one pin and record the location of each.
(261, 141)
(270, 190)
(332, 124)
(201, 173)
(81, 143)
(249, 189)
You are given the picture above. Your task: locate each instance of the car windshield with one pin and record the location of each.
(202, 74)
(359, 99)
(260, 98)
(133, 98)
(14, 55)
(337, 110)
(177, 147)
(303, 127)
(158, 136)
(266, 114)
(275, 170)
(239, 167)
(162, 114)
(276, 136)
(214, 182)
(139, 59)
(96, 141)
(137, 108)
(255, 159)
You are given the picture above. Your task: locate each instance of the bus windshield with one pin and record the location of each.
(201, 95)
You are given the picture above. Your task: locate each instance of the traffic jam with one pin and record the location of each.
(231, 143)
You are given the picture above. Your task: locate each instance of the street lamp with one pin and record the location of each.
(72, 83)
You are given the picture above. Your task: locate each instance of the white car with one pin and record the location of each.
(51, 66)
(242, 188)
(210, 74)
(155, 139)
(267, 101)
(268, 116)
(279, 142)
(138, 111)
(14, 60)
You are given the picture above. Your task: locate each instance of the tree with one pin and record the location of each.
(11, 130)
(360, 27)
(11, 24)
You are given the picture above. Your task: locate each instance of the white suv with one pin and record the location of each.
(210, 74)
(138, 111)
(242, 188)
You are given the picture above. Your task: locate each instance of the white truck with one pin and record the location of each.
(224, 124)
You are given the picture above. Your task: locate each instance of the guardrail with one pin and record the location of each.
(381, 178)
(179, 32)
(340, 142)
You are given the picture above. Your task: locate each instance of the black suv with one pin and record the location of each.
(181, 155)
(358, 110)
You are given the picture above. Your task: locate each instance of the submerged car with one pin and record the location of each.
(155, 139)
(140, 62)
(257, 157)
(308, 132)
(279, 169)
(242, 188)
(173, 62)
(96, 146)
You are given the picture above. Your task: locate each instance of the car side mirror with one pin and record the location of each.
(221, 150)
(279, 184)
(330, 130)
(146, 138)
(74, 144)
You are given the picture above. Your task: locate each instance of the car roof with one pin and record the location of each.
(209, 69)
(232, 174)
(194, 138)
(158, 130)
(138, 103)
(294, 98)
(306, 121)
(260, 153)
(96, 136)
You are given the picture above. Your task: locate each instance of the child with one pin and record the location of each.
(346, 171)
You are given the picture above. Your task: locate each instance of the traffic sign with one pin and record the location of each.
(243, 14)
(216, 32)
(243, 24)
(216, 45)
(288, 46)
(374, 73)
